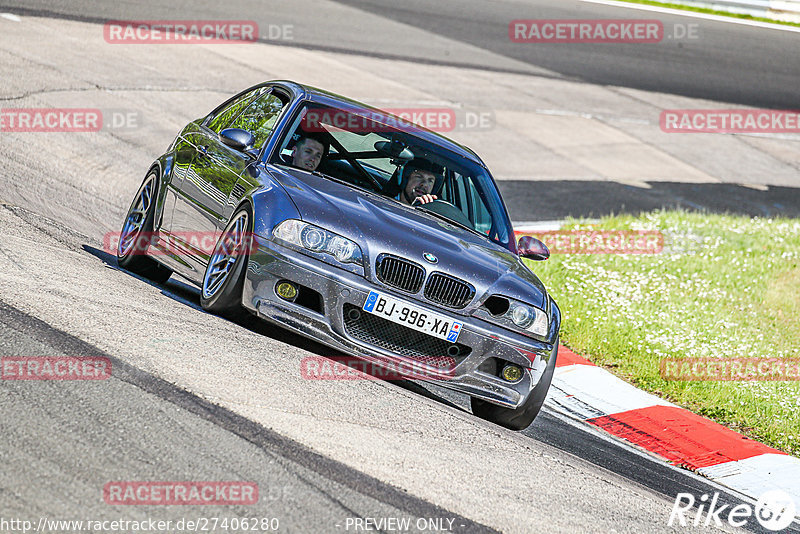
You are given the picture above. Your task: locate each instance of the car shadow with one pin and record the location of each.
(186, 293)
(179, 291)
(559, 199)
(189, 295)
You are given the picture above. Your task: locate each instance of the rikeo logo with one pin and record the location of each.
(775, 510)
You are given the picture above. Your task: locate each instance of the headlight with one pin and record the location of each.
(527, 317)
(514, 314)
(343, 249)
(317, 239)
(313, 238)
(522, 315)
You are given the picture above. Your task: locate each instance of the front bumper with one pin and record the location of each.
(270, 262)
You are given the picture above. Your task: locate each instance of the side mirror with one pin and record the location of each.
(533, 249)
(237, 139)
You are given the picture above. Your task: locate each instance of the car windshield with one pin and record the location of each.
(370, 150)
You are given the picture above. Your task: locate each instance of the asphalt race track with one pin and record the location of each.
(572, 130)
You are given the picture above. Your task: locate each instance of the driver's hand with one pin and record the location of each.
(424, 199)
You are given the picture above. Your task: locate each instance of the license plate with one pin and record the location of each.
(407, 314)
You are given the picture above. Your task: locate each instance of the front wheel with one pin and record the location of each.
(223, 280)
(519, 418)
(137, 234)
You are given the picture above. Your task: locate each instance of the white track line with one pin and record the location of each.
(706, 16)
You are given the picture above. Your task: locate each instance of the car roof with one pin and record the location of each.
(321, 96)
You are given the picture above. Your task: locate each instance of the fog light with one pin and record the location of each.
(286, 290)
(512, 373)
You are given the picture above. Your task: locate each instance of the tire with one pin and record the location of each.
(519, 418)
(223, 279)
(137, 234)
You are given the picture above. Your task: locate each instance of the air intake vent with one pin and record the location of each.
(399, 273)
(403, 341)
(448, 291)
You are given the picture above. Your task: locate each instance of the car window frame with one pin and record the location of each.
(231, 102)
(270, 92)
(283, 93)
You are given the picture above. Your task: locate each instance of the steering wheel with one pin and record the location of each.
(440, 201)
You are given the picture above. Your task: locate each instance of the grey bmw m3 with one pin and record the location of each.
(358, 229)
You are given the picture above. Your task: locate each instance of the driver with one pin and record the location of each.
(418, 181)
(308, 152)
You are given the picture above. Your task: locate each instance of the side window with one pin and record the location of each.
(260, 117)
(224, 117)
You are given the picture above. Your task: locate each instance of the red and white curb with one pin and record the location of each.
(594, 395)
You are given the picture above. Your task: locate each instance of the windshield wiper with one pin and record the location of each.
(449, 220)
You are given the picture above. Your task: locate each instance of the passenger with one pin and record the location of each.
(418, 182)
(308, 153)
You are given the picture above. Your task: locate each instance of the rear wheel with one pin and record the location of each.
(137, 234)
(519, 418)
(223, 280)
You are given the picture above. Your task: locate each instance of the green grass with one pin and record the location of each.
(723, 287)
(710, 11)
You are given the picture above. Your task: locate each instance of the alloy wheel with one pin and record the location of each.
(230, 246)
(136, 219)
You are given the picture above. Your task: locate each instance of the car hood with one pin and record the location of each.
(382, 225)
